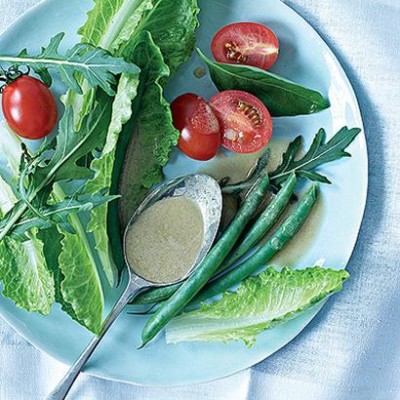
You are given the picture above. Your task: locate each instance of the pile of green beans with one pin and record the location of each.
(275, 243)
(211, 263)
(260, 228)
(198, 287)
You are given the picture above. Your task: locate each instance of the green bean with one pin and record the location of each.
(210, 264)
(155, 295)
(277, 241)
(259, 229)
(265, 221)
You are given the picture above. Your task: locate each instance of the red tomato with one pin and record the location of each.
(246, 124)
(29, 108)
(246, 43)
(200, 133)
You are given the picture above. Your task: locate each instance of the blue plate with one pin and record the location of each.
(304, 58)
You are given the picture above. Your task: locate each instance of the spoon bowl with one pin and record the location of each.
(202, 190)
(206, 193)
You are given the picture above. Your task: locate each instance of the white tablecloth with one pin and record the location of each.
(351, 350)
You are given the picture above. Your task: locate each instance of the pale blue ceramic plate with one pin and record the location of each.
(304, 58)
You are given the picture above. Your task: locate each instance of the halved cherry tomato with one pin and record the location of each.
(248, 43)
(246, 124)
(200, 132)
(29, 108)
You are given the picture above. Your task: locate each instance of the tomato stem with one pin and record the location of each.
(10, 75)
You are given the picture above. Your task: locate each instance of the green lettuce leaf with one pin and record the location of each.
(109, 25)
(51, 239)
(260, 303)
(103, 168)
(61, 266)
(172, 23)
(119, 28)
(77, 285)
(81, 286)
(153, 133)
(24, 273)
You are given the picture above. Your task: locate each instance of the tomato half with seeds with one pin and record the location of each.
(246, 124)
(199, 127)
(29, 107)
(247, 43)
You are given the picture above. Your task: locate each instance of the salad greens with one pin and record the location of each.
(319, 153)
(281, 96)
(304, 164)
(260, 303)
(157, 36)
(147, 153)
(24, 273)
(54, 240)
(40, 171)
(95, 64)
(57, 214)
(117, 119)
(119, 40)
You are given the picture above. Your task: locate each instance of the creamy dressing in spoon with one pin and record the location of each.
(164, 242)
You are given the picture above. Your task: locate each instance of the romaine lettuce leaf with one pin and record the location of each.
(119, 27)
(260, 303)
(81, 286)
(62, 267)
(153, 134)
(103, 168)
(51, 239)
(23, 270)
(111, 23)
(172, 23)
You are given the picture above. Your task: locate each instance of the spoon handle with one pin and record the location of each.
(62, 389)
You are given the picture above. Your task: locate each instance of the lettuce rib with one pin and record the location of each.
(120, 27)
(260, 303)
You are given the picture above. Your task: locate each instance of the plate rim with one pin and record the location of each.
(317, 308)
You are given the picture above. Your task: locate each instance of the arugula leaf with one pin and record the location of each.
(96, 65)
(10, 145)
(154, 134)
(319, 153)
(281, 96)
(260, 303)
(57, 214)
(73, 146)
(23, 269)
(70, 148)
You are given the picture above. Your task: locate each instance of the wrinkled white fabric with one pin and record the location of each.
(351, 350)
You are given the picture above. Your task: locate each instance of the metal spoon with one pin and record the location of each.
(203, 190)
